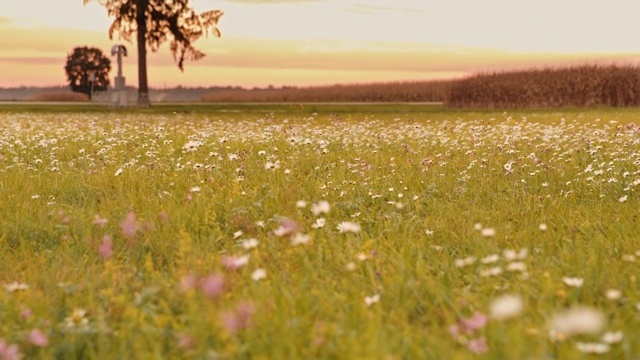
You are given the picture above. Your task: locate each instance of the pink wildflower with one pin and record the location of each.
(186, 341)
(37, 338)
(129, 225)
(212, 286)
(477, 321)
(234, 262)
(478, 346)
(287, 227)
(188, 282)
(106, 248)
(100, 222)
(234, 321)
(9, 351)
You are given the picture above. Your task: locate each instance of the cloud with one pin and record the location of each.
(364, 9)
(270, 2)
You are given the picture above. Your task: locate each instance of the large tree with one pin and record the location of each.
(156, 21)
(87, 70)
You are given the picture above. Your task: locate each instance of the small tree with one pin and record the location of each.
(87, 70)
(155, 22)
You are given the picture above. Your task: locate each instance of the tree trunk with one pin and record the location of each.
(141, 20)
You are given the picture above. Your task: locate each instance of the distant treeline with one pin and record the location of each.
(434, 91)
(64, 93)
(581, 86)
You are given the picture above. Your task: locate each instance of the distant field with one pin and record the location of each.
(318, 231)
(587, 86)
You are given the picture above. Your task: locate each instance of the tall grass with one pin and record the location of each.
(582, 86)
(177, 235)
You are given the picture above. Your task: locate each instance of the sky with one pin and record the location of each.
(322, 42)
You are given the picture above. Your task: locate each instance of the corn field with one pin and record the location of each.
(432, 91)
(582, 86)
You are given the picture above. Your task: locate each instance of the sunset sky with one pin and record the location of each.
(310, 42)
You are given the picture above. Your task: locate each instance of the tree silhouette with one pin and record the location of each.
(84, 62)
(158, 21)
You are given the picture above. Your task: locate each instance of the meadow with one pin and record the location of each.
(318, 232)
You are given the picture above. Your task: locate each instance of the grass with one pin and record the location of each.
(125, 231)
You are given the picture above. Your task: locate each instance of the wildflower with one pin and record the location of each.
(287, 227)
(272, 165)
(475, 322)
(250, 243)
(622, 199)
(129, 225)
(319, 223)
(512, 255)
(611, 337)
(99, 221)
(106, 248)
(577, 320)
(259, 274)
(478, 346)
(490, 259)
(613, 294)
(16, 286)
(26, 314)
(348, 226)
(195, 189)
(542, 227)
(35, 196)
(234, 321)
(237, 234)
(428, 232)
(370, 300)
(9, 351)
(191, 146)
(488, 232)
(465, 262)
(506, 307)
(301, 204)
(517, 266)
(37, 338)
(573, 281)
(78, 317)
(118, 172)
(351, 266)
(322, 207)
(494, 271)
(212, 286)
(186, 341)
(187, 283)
(235, 262)
(592, 348)
(300, 239)
(477, 226)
